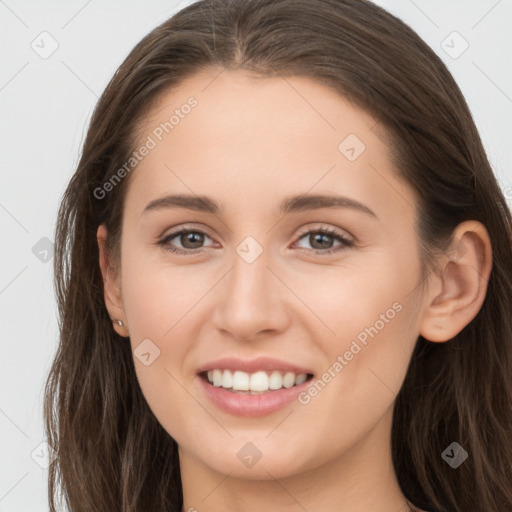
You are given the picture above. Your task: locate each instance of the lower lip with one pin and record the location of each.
(240, 404)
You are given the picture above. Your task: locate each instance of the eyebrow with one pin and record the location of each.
(291, 204)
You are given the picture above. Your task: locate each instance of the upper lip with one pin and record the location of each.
(252, 365)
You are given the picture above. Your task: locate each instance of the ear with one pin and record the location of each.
(457, 292)
(111, 285)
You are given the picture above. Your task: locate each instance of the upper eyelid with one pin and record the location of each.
(332, 230)
(173, 232)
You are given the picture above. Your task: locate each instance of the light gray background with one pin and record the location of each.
(46, 104)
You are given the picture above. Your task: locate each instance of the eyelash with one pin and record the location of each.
(346, 242)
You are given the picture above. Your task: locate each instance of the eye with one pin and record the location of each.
(191, 241)
(321, 240)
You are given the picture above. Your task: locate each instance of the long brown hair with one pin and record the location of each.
(113, 455)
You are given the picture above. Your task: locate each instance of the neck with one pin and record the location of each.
(361, 478)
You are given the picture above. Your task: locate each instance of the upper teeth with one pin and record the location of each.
(259, 381)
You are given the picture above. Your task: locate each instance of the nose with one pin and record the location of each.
(252, 301)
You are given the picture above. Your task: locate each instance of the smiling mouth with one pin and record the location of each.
(254, 383)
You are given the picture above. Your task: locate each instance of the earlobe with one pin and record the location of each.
(111, 285)
(458, 291)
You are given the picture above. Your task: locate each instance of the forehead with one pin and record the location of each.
(242, 138)
(244, 104)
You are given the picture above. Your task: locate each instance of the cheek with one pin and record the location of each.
(363, 302)
(365, 356)
(373, 317)
(368, 361)
(159, 305)
(360, 319)
(157, 296)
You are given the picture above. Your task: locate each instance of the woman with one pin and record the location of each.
(283, 269)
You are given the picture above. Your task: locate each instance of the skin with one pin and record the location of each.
(249, 143)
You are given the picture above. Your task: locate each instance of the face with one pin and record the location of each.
(279, 285)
